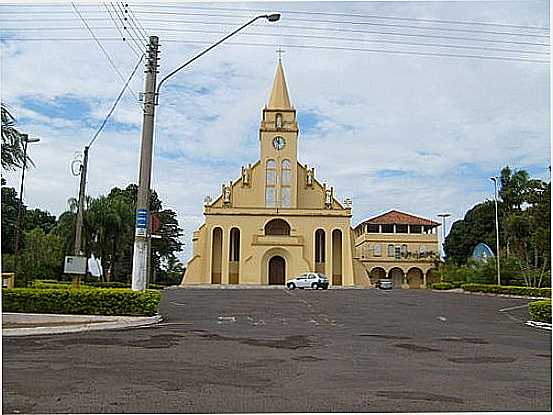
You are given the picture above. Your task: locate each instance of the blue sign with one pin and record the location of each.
(142, 218)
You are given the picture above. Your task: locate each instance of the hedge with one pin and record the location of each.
(505, 289)
(43, 284)
(540, 311)
(442, 286)
(88, 301)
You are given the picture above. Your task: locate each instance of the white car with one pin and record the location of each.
(313, 280)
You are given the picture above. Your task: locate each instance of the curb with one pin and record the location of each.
(539, 325)
(456, 290)
(92, 323)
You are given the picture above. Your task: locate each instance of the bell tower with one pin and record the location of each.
(278, 136)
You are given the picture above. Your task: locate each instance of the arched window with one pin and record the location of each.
(277, 227)
(391, 250)
(404, 250)
(377, 250)
(286, 183)
(270, 183)
(423, 251)
(278, 121)
(234, 251)
(320, 245)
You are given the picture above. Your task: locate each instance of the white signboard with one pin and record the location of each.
(75, 265)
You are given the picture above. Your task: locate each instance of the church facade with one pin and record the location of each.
(276, 221)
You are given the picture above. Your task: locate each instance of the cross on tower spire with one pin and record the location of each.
(280, 51)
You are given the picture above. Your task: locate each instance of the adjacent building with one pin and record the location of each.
(399, 246)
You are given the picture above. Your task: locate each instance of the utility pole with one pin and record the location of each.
(494, 180)
(18, 223)
(443, 216)
(140, 253)
(80, 213)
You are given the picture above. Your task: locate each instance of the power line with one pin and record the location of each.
(125, 24)
(284, 11)
(303, 36)
(340, 22)
(414, 19)
(101, 47)
(137, 23)
(304, 28)
(271, 45)
(119, 30)
(116, 102)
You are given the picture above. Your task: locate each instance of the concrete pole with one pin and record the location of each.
(494, 179)
(80, 209)
(20, 206)
(140, 254)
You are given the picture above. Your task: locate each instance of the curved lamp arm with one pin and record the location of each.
(269, 17)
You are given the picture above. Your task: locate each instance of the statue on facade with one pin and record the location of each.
(207, 200)
(246, 171)
(328, 197)
(226, 194)
(309, 177)
(347, 203)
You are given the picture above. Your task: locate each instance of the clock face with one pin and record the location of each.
(279, 143)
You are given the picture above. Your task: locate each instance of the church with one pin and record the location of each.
(276, 221)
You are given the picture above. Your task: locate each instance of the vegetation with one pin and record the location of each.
(540, 311)
(69, 301)
(108, 235)
(525, 234)
(12, 142)
(442, 286)
(505, 289)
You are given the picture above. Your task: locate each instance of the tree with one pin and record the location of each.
(36, 218)
(12, 142)
(9, 219)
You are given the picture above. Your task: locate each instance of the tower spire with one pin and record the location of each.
(279, 94)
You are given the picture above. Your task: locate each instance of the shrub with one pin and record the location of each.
(110, 284)
(442, 286)
(540, 311)
(44, 284)
(156, 286)
(84, 301)
(505, 289)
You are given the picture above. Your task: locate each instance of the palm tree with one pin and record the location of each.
(12, 142)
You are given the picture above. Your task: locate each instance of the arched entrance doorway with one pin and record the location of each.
(414, 278)
(396, 275)
(377, 274)
(277, 270)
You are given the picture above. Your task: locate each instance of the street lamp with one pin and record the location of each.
(26, 141)
(151, 92)
(443, 216)
(494, 180)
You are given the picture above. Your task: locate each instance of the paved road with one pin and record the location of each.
(271, 350)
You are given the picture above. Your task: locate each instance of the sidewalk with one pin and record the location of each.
(27, 324)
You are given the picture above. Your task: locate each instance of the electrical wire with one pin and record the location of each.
(116, 102)
(271, 45)
(414, 19)
(137, 23)
(119, 30)
(126, 25)
(303, 28)
(101, 47)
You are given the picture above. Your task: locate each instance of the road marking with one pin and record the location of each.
(513, 308)
(174, 303)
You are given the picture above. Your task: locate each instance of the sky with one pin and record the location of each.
(388, 120)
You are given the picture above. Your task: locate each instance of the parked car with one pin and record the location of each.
(314, 280)
(384, 284)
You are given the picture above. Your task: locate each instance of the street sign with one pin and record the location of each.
(142, 218)
(75, 265)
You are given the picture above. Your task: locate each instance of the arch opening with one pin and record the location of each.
(320, 242)
(277, 270)
(336, 257)
(376, 274)
(216, 255)
(414, 278)
(277, 227)
(234, 256)
(396, 275)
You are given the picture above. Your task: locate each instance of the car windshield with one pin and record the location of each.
(323, 276)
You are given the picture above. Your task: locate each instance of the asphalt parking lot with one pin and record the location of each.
(272, 350)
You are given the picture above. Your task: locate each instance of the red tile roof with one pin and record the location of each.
(399, 218)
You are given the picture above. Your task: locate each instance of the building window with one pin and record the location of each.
(401, 228)
(423, 251)
(270, 183)
(372, 228)
(377, 250)
(388, 228)
(404, 250)
(277, 227)
(278, 121)
(398, 252)
(391, 250)
(234, 251)
(320, 245)
(286, 183)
